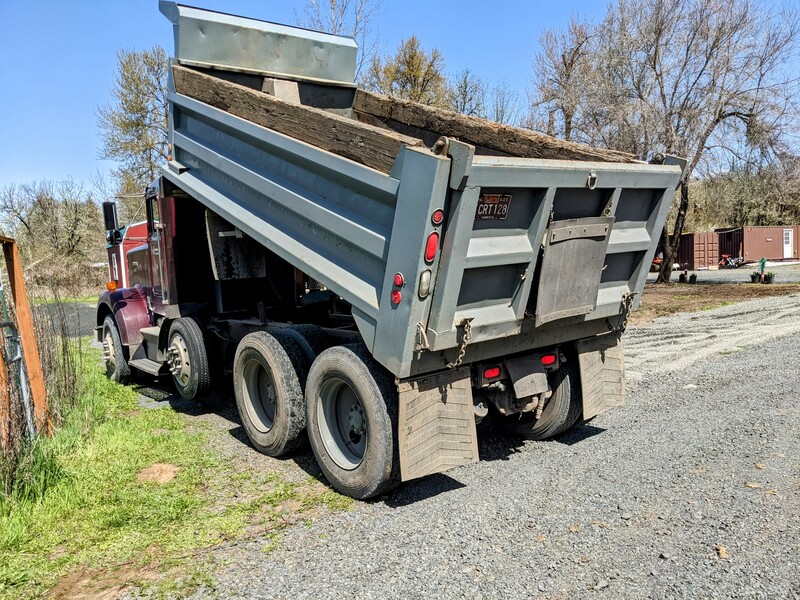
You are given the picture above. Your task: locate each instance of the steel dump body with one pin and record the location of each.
(576, 240)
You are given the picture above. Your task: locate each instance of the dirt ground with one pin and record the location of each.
(660, 300)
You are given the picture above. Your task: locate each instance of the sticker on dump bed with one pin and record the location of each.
(493, 206)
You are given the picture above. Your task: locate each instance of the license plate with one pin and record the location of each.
(493, 206)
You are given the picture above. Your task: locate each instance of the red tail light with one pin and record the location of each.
(431, 247)
(548, 360)
(396, 297)
(491, 373)
(437, 217)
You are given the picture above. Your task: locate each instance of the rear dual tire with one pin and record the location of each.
(267, 374)
(561, 411)
(351, 417)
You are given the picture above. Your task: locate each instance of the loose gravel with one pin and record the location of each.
(690, 490)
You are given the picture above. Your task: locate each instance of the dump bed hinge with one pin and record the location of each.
(461, 155)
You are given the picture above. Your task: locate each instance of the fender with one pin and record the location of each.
(129, 308)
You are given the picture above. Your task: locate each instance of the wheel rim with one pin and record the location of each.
(109, 351)
(180, 366)
(259, 395)
(342, 423)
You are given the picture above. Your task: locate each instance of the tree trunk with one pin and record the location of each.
(671, 249)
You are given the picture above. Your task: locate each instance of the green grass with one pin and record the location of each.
(79, 504)
(90, 299)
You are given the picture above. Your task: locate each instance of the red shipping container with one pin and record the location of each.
(753, 243)
(699, 250)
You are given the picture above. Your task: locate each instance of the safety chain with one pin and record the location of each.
(625, 311)
(467, 323)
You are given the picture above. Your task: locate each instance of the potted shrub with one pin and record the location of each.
(769, 276)
(755, 277)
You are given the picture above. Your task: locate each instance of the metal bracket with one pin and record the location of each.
(461, 156)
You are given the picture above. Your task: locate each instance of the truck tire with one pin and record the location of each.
(351, 416)
(188, 358)
(269, 395)
(299, 350)
(315, 336)
(561, 412)
(116, 355)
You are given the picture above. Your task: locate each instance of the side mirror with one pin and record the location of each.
(110, 216)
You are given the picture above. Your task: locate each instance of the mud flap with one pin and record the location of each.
(436, 429)
(602, 367)
(574, 252)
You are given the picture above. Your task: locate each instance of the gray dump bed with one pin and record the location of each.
(577, 239)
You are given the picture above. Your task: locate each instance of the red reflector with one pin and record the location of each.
(396, 296)
(491, 373)
(431, 247)
(398, 279)
(438, 217)
(548, 359)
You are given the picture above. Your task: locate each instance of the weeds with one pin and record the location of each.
(72, 504)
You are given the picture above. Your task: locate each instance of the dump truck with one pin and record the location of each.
(375, 275)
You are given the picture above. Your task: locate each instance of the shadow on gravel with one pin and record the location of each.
(493, 442)
(422, 489)
(578, 434)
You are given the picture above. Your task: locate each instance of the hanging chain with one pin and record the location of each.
(464, 342)
(624, 311)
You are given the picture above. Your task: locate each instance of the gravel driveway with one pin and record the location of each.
(691, 490)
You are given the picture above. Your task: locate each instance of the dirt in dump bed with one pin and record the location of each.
(660, 300)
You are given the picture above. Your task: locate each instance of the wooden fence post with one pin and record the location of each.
(30, 348)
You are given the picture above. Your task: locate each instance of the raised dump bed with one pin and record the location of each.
(332, 192)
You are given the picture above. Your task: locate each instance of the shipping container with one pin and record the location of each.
(699, 250)
(754, 243)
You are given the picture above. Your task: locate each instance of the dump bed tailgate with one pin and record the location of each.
(533, 245)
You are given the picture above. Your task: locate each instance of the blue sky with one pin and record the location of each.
(57, 60)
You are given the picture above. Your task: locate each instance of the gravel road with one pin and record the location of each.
(691, 490)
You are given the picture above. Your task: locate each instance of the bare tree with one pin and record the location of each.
(693, 78)
(345, 17)
(133, 126)
(503, 104)
(411, 74)
(468, 94)
(57, 221)
(561, 73)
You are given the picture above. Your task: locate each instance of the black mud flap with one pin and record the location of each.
(572, 265)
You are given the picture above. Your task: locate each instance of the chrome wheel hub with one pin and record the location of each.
(178, 360)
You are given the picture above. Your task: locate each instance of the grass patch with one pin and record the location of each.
(78, 507)
(90, 299)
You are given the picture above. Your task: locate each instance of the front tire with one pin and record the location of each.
(561, 412)
(115, 354)
(351, 416)
(269, 394)
(188, 358)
